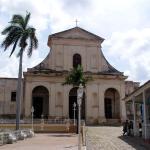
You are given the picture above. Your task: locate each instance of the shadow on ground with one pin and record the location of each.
(135, 142)
(70, 146)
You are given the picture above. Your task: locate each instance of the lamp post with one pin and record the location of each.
(32, 111)
(74, 113)
(79, 101)
(42, 122)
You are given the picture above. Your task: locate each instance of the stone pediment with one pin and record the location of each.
(76, 33)
(64, 45)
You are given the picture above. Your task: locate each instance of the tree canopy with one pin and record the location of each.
(76, 76)
(19, 33)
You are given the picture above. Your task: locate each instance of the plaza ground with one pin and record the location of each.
(45, 142)
(111, 138)
(104, 138)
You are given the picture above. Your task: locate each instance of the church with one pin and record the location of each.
(42, 85)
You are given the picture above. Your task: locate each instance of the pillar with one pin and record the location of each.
(66, 101)
(101, 105)
(145, 121)
(52, 102)
(28, 100)
(134, 116)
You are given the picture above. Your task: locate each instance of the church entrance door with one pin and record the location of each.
(38, 106)
(72, 100)
(112, 104)
(40, 102)
(108, 108)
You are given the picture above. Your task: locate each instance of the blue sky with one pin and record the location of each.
(125, 25)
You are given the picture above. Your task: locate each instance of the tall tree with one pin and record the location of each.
(19, 34)
(76, 76)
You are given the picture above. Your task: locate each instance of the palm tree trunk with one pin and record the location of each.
(19, 91)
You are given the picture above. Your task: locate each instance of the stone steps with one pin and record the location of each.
(112, 122)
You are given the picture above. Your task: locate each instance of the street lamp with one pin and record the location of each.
(79, 101)
(32, 111)
(42, 122)
(74, 113)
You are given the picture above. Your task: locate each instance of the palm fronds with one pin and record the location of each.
(76, 76)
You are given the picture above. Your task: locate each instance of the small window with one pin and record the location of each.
(13, 96)
(76, 60)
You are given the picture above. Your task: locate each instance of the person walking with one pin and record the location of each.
(140, 129)
(125, 127)
(130, 128)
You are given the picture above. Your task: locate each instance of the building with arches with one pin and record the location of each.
(43, 89)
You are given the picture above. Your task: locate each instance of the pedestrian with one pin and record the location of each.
(140, 129)
(125, 127)
(68, 125)
(130, 128)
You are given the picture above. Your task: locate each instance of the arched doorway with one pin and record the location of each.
(40, 101)
(112, 104)
(72, 100)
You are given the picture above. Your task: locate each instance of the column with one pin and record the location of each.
(101, 105)
(88, 106)
(123, 114)
(134, 116)
(28, 100)
(145, 121)
(52, 103)
(49, 100)
(66, 101)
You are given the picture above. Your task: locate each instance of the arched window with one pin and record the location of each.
(76, 60)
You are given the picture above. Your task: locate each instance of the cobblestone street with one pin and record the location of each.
(110, 138)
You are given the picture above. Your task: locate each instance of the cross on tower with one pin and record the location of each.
(76, 22)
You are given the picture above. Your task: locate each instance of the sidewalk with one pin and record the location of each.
(46, 142)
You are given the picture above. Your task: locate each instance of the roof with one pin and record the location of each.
(111, 69)
(8, 78)
(79, 29)
(137, 90)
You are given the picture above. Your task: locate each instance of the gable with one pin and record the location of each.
(76, 33)
(62, 51)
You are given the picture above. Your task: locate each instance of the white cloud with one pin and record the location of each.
(130, 52)
(8, 66)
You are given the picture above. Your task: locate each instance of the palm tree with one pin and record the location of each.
(20, 34)
(76, 76)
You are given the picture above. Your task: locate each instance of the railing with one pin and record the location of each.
(3, 138)
(38, 121)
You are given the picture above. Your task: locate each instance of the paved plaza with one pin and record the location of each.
(45, 142)
(110, 138)
(99, 138)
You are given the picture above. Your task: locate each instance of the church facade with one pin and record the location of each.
(43, 89)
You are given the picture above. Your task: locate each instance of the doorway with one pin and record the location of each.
(38, 106)
(40, 102)
(72, 100)
(108, 108)
(112, 104)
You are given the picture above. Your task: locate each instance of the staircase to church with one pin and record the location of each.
(42, 125)
(112, 122)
